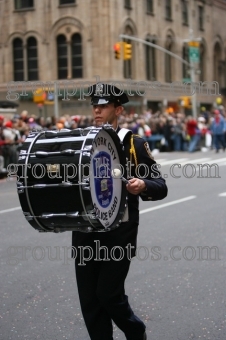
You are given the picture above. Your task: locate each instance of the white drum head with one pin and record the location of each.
(107, 191)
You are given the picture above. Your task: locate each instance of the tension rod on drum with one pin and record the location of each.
(70, 215)
(43, 154)
(64, 133)
(41, 186)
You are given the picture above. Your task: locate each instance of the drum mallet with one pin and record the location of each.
(116, 173)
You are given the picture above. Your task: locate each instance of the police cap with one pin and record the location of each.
(106, 93)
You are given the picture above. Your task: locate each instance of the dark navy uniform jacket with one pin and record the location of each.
(156, 189)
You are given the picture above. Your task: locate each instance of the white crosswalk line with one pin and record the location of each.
(184, 161)
(196, 161)
(9, 210)
(174, 161)
(167, 204)
(160, 160)
(223, 194)
(216, 161)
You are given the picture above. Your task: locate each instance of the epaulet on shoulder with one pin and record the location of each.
(136, 136)
(138, 139)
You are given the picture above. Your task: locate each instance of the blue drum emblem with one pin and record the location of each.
(102, 178)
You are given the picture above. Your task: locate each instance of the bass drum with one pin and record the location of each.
(65, 183)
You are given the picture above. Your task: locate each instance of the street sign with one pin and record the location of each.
(186, 80)
(194, 54)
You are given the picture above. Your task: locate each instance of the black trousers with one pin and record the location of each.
(102, 298)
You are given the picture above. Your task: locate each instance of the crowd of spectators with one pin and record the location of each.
(180, 132)
(164, 131)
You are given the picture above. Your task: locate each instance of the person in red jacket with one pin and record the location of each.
(193, 133)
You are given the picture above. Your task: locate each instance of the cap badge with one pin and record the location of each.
(99, 90)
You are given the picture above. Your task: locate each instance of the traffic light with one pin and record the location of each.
(186, 102)
(127, 51)
(117, 49)
(39, 96)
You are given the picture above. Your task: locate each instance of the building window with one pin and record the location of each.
(76, 50)
(32, 59)
(149, 6)
(168, 61)
(18, 59)
(22, 4)
(168, 8)
(69, 56)
(185, 68)
(25, 64)
(62, 57)
(127, 4)
(201, 17)
(65, 2)
(150, 53)
(184, 7)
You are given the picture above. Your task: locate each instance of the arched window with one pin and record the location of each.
(18, 59)
(150, 58)
(76, 50)
(168, 60)
(185, 68)
(32, 59)
(62, 57)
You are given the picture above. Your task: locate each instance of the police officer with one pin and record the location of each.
(101, 280)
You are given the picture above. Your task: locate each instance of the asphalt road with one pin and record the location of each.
(175, 284)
